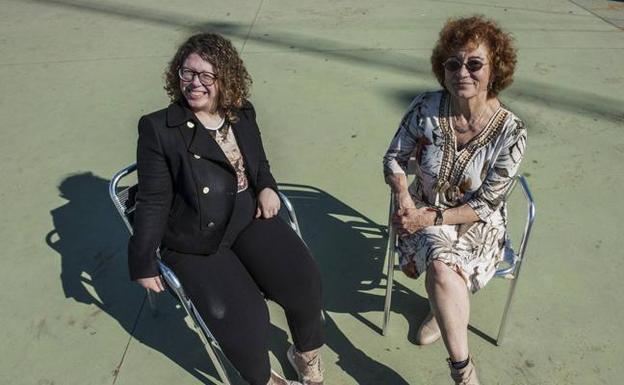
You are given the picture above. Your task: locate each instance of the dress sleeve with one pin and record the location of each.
(152, 203)
(402, 145)
(499, 179)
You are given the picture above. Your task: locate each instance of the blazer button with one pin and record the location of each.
(196, 156)
(211, 224)
(206, 190)
(190, 124)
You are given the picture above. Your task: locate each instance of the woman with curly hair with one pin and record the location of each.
(467, 148)
(207, 198)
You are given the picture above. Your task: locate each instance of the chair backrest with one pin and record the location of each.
(124, 199)
(512, 255)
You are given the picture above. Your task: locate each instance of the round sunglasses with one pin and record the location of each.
(454, 64)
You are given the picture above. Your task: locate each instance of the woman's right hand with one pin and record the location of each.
(403, 202)
(154, 284)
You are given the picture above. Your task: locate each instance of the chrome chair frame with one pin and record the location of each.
(124, 202)
(512, 258)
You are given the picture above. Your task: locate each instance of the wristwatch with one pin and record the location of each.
(439, 218)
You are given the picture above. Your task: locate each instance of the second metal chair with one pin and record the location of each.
(509, 268)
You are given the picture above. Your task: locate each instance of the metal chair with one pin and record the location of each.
(124, 199)
(511, 264)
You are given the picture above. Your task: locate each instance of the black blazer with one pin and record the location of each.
(187, 186)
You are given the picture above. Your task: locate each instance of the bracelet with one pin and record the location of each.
(439, 218)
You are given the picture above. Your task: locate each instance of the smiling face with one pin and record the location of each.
(199, 96)
(465, 84)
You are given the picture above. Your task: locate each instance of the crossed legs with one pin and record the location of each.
(449, 301)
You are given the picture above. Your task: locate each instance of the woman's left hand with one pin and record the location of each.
(408, 221)
(268, 203)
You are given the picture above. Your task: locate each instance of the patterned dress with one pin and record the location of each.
(479, 175)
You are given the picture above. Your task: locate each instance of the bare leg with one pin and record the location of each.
(449, 301)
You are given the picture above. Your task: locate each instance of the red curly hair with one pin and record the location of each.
(469, 32)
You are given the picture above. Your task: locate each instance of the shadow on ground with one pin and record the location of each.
(350, 250)
(91, 240)
(554, 96)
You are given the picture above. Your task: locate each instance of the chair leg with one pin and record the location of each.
(389, 285)
(208, 340)
(218, 363)
(151, 300)
(390, 256)
(503, 324)
(211, 345)
(521, 255)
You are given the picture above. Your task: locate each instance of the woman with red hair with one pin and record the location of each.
(467, 147)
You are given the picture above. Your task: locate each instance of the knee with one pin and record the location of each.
(439, 274)
(314, 280)
(306, 301)
(306, 278)
(303, 298)
(246, 324)
(243, 338)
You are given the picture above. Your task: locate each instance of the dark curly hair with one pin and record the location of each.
(233, 80)
(470, 32)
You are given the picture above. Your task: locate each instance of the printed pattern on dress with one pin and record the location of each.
(479, 175)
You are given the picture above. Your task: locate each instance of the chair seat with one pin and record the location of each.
(507, 266)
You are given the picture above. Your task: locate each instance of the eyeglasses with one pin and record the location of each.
(454, 65)
(205, 78)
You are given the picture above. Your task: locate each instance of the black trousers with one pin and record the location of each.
(256, 256)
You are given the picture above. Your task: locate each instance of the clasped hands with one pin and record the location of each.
(409, 219)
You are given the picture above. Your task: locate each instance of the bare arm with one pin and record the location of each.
(398, 186)
(459, 215)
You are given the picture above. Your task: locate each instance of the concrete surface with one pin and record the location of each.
(331, 82)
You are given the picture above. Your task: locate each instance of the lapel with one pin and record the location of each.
(197, 139)
(247, 144)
